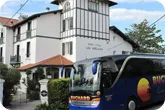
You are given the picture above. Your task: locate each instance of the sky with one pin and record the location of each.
(122, 15)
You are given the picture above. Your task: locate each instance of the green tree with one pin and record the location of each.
(12, 78)
(147, 37)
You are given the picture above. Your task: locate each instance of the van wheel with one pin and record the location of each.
(132, 104)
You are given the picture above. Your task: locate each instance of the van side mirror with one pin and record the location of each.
(94, 67)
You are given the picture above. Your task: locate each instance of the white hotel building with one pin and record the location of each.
(78, 30)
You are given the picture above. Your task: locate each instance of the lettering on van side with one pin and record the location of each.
(158, 79)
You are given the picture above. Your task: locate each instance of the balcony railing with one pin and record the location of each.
(1, 59)
(15, 59)
(28, 34)
(18, 37)
(1, 40)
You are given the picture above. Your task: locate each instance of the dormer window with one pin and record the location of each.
(93, 5)
(67, 6)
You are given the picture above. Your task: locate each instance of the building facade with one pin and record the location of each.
(6, 39)
(85, 31)
(36, 38)
(78, 30)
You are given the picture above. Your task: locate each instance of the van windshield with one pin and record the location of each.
(83, 78)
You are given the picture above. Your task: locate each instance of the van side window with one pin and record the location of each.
(138, 67)
(158, 66)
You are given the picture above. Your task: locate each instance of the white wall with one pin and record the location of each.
(73, 56)
(89, 48)
(23, 47)
(118, 44)
(24, 29)
(8, 45)
(49, 25)
(46, 48)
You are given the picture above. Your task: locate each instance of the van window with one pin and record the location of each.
(138, 67)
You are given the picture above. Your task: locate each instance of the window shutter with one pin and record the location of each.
(1, 52)
(63, 25)
(28, 49)
(71, 48)
(63, 48)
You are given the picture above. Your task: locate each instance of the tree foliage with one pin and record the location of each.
(12, 78)
(147, 37)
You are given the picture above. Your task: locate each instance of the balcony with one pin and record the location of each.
(15, 60)
(1, 59)
(1, 40)
(18, 37)
(28, 34)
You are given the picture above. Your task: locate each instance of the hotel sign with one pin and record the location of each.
(92, 46)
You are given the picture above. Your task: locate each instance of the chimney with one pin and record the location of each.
(11, 22)
(47, 9)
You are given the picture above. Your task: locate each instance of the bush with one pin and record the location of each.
(32, 90)
(12, 78)
(58, 92)
(28, 72)
(42, 107)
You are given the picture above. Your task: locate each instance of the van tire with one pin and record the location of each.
(132, 104)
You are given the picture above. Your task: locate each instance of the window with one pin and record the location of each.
(138, 67)
(67, 72)
(114, 38)
(1, 52)
(159, 66)
(19, 31)
(28, 49)
(68, 24)
(17, 50)
(114, 52)
(67, 6)
(18, 34)
(55, 73)
(1, 35)
(67, 48)
(63, 25)
(71, 23)
(125, 52)
(29, 26)
(52, 73)
(94, 5)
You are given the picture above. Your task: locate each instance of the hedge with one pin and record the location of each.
(58, 92)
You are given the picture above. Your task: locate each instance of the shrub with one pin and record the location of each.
(42, 107)
(32, 90)
(58, 92)
(28, 72)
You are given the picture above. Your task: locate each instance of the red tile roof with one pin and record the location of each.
(4, 20)
(56, 60)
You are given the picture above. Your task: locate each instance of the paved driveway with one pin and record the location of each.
(24, 106)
